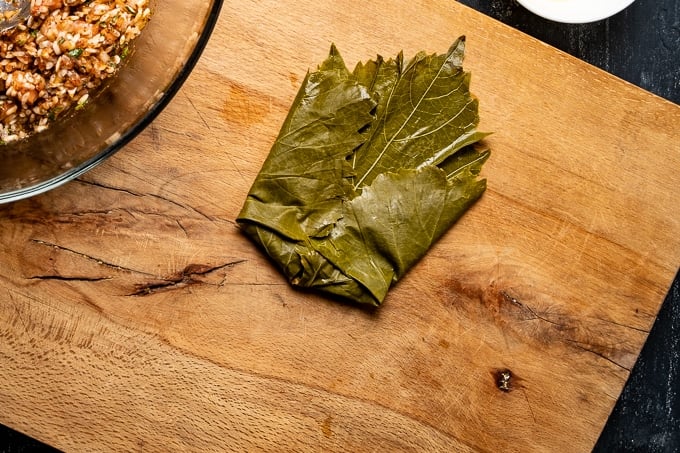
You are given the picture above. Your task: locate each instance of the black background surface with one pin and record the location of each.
(641, 45)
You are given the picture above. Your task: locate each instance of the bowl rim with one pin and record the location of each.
(134, 130)
(575, 11)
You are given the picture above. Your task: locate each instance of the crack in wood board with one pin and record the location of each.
(188, 276)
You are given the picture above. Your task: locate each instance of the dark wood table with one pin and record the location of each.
(640, 45)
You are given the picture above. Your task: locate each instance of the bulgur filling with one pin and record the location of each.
(57, 59)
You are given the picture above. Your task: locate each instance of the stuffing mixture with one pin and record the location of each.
(56, 59)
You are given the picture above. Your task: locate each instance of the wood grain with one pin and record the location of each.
(135, 316)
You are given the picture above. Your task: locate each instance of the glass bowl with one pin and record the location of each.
(163, 57)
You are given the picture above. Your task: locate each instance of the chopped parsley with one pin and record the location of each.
(75, 53)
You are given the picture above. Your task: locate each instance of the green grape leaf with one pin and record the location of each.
(370, 168)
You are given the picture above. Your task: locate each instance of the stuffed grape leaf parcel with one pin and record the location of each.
(369, 169)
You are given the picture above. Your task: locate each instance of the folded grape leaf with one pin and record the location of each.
(369, 169)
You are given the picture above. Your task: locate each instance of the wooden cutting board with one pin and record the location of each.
(136, 317)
